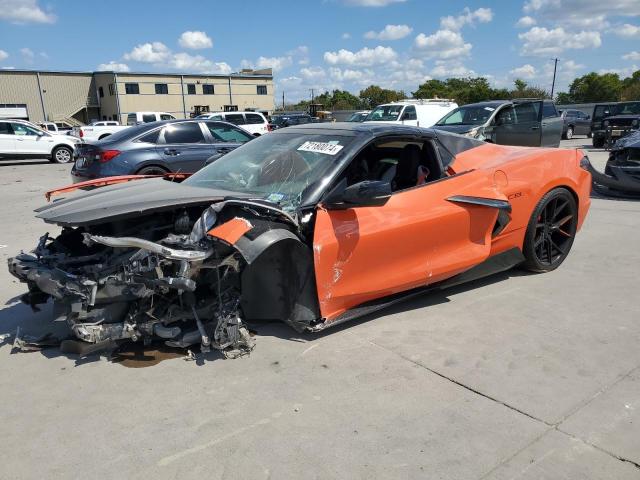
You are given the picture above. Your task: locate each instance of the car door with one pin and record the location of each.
(519, 125)
(7, 140)
(31, 141)
(583, 123)
(420, 236)
(552, 125)
(184, 146)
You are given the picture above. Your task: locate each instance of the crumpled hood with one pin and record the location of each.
(126, 200)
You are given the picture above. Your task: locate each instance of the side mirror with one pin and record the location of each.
(588, 117)
(368, 193)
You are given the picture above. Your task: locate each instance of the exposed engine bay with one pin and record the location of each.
(194, 275)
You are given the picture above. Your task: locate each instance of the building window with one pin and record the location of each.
(111, 89)
(162, 89)
(262, 89)
(191, 88)
(131, 88)
(231, 108)
(207, 89)
(100, 92)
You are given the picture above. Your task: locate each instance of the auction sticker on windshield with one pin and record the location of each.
(320, 147)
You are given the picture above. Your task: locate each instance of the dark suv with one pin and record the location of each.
(287, 120)
(614, 120)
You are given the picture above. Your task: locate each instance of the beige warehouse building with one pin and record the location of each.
(82, 97)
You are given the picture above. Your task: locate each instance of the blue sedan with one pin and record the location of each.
(157, 148)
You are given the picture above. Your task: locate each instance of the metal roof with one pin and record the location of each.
(162, 74)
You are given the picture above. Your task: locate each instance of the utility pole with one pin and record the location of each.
(283, 100)
(312, 96)
(553, 84)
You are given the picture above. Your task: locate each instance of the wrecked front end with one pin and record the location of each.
(621, 176)
(195, 275)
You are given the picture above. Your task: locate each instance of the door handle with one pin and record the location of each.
(535, 128)
(171, 151)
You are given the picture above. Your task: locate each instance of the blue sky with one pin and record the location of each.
(327, 44)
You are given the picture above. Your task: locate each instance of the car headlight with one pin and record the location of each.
(473, 132)
(605, 124)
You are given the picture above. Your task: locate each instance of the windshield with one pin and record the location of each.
(278, 120)
(385, 113)
(629, 108)
(357, 117)
(278, 167)
(469, 115)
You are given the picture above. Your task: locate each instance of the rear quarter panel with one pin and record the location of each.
(524, 175)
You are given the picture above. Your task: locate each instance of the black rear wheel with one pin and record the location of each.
(551, 231)
(152, 170)
(598, 142)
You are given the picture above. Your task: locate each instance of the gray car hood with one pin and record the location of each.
(126, 200)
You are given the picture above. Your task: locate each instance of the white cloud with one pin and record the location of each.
(371, 3)
(443, 44)
(584, 14)
(154, 52)
(631, 56)
(312, 73)
(628, 31)
(346, 36)
(195, 40)
(3, 55)
(113, 66)
(468, 17)
(352, 75)
(197, 63)
(526, 22)
(446, 69)
(365, 57)
(525, 71)
(300, 54)
(276, 63)
(540, 41)
(24, 11)
(27, 54)
(390, 32)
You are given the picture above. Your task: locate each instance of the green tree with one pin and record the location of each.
(374, 95)
(523, 90)
(432, 89)
(631, 87)
(564, 98)
(594, 87)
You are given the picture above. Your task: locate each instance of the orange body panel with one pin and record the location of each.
(419, 237)
(232, 230)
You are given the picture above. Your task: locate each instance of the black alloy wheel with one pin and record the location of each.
(551, 231)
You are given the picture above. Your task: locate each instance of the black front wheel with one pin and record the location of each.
(598, 142)
(551, 231)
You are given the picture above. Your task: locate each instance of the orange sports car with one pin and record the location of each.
(311, 225)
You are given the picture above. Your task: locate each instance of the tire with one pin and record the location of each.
(104, 136)
(551, 231)
(569, 134)
(598, 142)
(152, 170)
(62, 154)
(589, 135)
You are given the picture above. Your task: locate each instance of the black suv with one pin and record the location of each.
(286, 120)
(614, 120)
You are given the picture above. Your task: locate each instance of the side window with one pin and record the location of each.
(183, 133)
(148, 117)
(527, 112)
(409, 113)
(131, 119)
(236, 119)
(549, 111)
(601, 111)
(5, 128)
(132, 88)
(505, 116)
(20, 129)
(166, 116)
(151, 137)
(226, 133)
(254, 119)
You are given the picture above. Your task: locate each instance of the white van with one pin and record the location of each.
(252, 122)
(136, 118)
(419, 113)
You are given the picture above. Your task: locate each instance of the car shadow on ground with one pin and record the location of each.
(135, 355)
(17, 163)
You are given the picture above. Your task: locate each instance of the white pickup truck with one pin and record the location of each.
(97, 130)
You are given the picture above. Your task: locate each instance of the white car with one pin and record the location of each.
(419, 113)
(20, 139)
(136, 118)
(253, 122)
